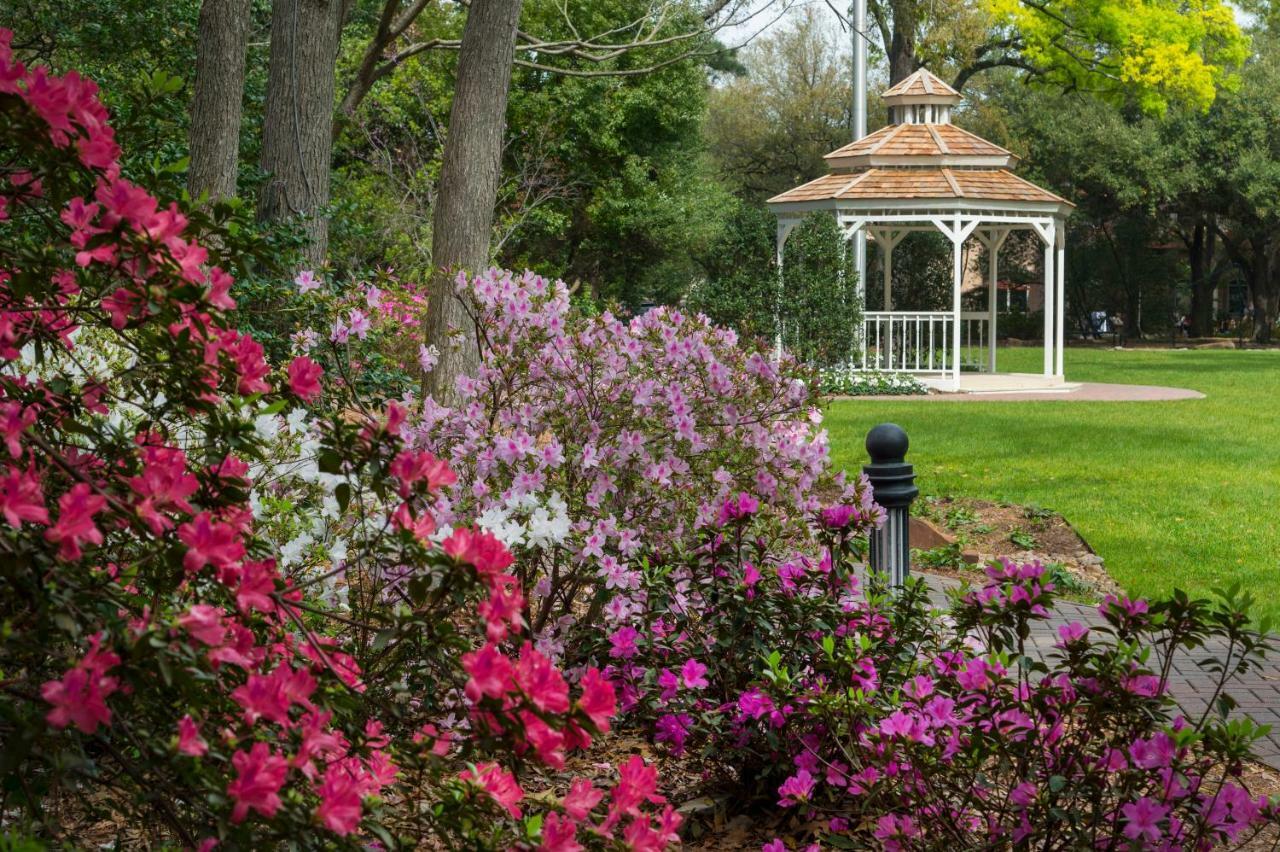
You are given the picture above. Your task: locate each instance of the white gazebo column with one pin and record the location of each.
(957, 276)
(1060, 267)
(860, 261)
(888, 240)
(859, 265)
(1050, 283)
(842, 260)
(855, 230)
(956, 231)
(888, 272)
(1048, 231)
(784, 230)
(994, 240)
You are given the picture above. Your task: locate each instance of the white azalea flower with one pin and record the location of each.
(293, 550)
(297, 421)
(266, 426)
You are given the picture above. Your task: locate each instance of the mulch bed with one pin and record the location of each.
(983, 530)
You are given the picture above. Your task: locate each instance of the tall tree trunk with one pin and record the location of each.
(1264, 317)
(297, 127)
(221, 40)
(1133, 309)
(902, 48)
(1264, 291)
(1200, 254)
(462, 220)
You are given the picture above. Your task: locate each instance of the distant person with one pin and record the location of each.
(1098, 319)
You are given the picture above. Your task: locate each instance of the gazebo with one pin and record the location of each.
(918, 173)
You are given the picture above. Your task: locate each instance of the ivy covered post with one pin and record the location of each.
(893, 487)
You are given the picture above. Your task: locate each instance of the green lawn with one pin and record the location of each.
(1171, 494)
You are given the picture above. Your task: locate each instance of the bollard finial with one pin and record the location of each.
(887, 443)
(892, 479)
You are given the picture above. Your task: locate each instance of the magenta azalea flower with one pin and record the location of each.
(796, 789)
(1142, 819)
(306, 281)
(693, 674)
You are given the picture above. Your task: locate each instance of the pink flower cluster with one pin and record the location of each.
(518, 695)
(68, 106)
(637, 785)
(362, 320)
(79, 696)
(1011, 584)
(742, 588)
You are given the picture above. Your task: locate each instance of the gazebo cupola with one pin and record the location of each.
(919, 133)
(920, 99)
(921, 172)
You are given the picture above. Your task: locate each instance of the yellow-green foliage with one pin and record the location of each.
(1155, 51)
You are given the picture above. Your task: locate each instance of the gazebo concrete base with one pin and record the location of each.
(999, 383)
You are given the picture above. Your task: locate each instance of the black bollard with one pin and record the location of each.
(893, 485)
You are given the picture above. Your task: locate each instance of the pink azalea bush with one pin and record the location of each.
(728, 609)
(587, 442)
(730, 612)
(158, 664)
(717, 621)
(910, 730)
(620, 460)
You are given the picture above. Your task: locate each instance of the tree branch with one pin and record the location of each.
(876, 12)
(1008, 60)
(367, 73)
(411, 14)
(596, 49)
(609, 72)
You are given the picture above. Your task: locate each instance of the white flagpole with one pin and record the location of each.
(858, 13)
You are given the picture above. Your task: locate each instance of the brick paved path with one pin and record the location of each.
(1258, 692)
(1078, 392)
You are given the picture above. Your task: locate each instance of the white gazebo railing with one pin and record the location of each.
(923, 341)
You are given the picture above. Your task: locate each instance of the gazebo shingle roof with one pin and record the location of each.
(927, 140)
(922, 157)
(939, 183)
(919, 83)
